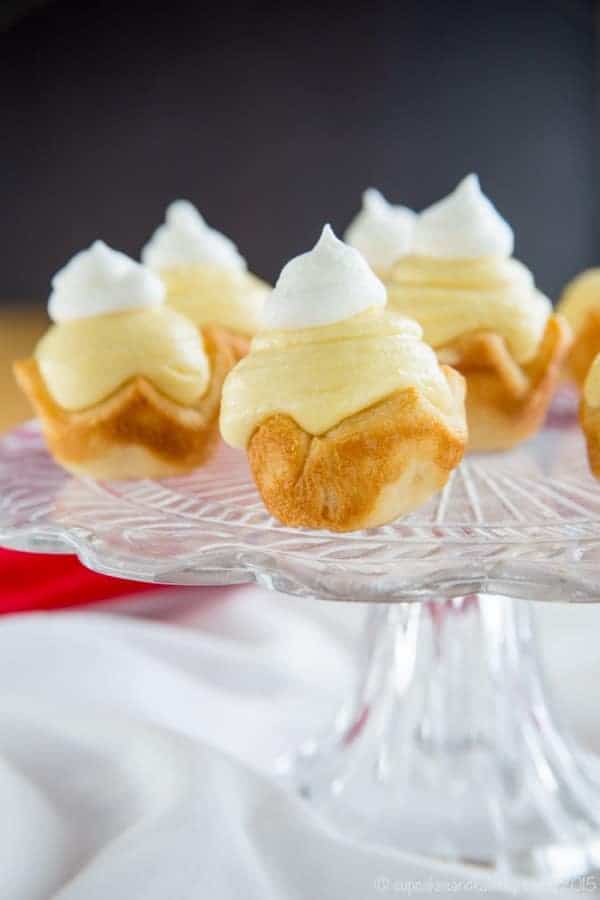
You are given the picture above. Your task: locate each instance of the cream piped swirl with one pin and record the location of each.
(453, 297)
(320, 376)
(465, 224)
(460, 278)
(381, 231)
(185, 239)
(99, 281)
(330, 349)
(111, 326)
(330, 283)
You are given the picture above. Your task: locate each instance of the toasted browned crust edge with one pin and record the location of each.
(507, 403)
(374, 466)
(137, 432)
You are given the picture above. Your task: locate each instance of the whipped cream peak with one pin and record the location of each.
(465, 224)
(185, 239)
(330, 283)
(99, 281)
(183, 214)
(373, 201)
(381, 231)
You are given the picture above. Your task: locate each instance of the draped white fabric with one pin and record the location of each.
(136, 753)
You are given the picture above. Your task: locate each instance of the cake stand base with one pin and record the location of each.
(448, 747)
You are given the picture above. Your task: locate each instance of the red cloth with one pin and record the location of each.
(30, 581)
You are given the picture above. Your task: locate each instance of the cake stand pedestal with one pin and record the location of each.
(447, 747)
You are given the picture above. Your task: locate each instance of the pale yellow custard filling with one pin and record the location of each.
(211, 295)
(453, 297)
(591, 388)
(581, 296)
(83, 361)
(321, 375)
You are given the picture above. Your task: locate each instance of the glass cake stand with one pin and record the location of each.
(447, 746)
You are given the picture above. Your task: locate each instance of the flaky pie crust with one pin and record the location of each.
(506, 402)
(137, 432)
(371, 468)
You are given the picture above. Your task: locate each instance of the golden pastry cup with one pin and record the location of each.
(373, 467)
(589, 416)
(507, 403)
(585, 348)
(137, 432)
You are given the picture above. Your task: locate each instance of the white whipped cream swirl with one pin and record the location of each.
(465, 224)
(186, 240)
(381, 231)
(98, 281)
(330, 283)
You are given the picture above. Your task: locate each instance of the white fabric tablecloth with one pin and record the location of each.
(136, 753)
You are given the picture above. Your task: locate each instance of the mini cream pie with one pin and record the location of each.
(580, 305)
(125, 387)
(347, 418)
(480, 310)
(206, 278)
(380, 231)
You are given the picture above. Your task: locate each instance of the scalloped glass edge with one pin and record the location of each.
(427, 555)
(526, 581)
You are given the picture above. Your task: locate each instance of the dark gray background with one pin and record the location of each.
(273, 118)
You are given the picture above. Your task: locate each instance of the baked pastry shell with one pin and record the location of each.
(585, 348)
(589, 416)
(137, 432)
(507, 403)
(373, 467)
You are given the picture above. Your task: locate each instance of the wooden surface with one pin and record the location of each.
(20, 328)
